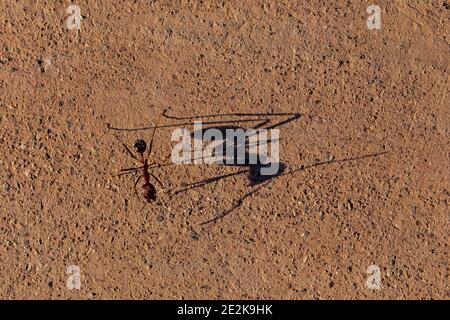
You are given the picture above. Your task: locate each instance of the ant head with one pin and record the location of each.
(140, 146)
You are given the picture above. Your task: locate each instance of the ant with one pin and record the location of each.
(148, 190)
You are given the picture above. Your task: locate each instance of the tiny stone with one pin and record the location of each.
(160, 219)
(194, 236)
(349, 204)
(6, 187)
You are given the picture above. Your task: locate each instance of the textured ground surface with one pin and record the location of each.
(308, 235)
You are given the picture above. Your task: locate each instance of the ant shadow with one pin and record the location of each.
(253, 169)
(243, 151)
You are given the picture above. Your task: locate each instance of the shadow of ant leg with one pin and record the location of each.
(205, 182)
(237, 205)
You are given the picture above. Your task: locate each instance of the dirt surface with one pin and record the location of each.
(370, 150)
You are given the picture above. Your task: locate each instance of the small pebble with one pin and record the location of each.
(194, 236)
(6, 187)
(349, 204)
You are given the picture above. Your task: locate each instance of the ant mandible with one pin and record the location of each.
(148, 190)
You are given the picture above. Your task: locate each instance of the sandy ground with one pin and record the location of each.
(372, 146)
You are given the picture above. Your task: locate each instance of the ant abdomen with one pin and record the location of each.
(149, 192)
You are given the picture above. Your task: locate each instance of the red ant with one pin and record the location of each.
(148, 190)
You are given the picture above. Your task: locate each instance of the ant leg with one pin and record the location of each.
(151, 140)
(131, 169)
(160, 183)
(124, 173)
(135, 184)
(126, 148)
(128, 171)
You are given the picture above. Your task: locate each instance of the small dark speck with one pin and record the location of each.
(6, 187)
(41, 65)
(87, 202)
(329, 158)
(349, 204)
(343, 62)
(393, 260)
(194, 236)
